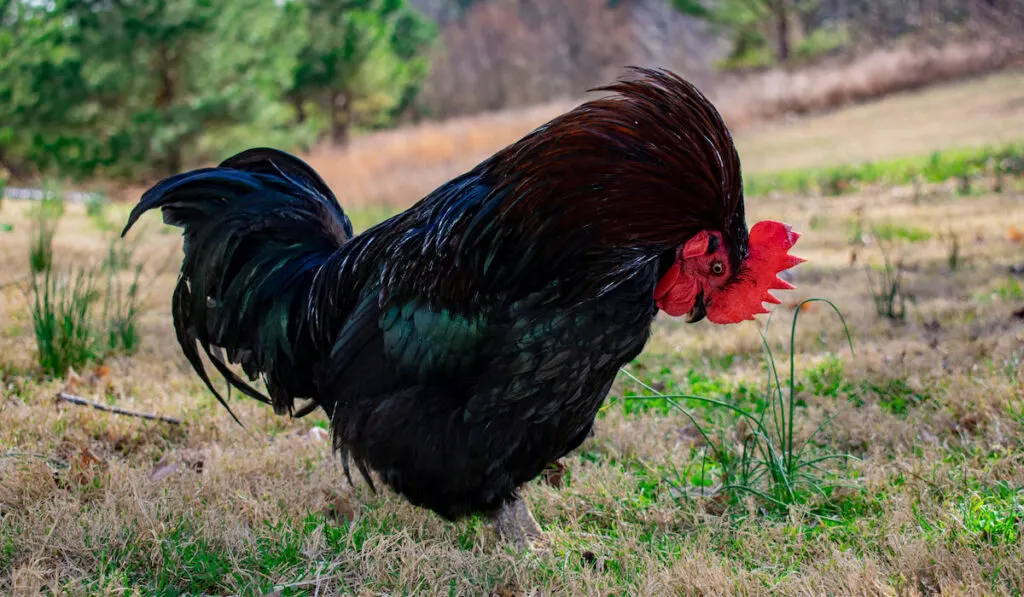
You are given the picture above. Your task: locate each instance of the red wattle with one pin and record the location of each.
(676, 293)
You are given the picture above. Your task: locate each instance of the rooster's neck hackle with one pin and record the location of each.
(645, 167)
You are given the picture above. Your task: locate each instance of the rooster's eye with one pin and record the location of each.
(717, 268)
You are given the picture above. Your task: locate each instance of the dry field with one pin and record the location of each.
(931, 409)
(397, 167)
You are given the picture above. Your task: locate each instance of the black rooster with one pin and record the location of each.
(462, 345)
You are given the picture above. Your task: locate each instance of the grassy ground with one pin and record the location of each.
(931, 407)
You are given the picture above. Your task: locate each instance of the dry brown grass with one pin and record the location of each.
(398, 167)
(863, 77)
(146, 508)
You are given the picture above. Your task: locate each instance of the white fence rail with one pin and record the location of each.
(40, 194)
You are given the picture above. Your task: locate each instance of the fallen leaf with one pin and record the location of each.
(691, 435)
(927, 583)
(803, 306)
(554, 474)
(168, 466)
(969, 423)
(72, 381)
(1014, 236)
(163, 469)
(716, 506)
(195, 463)
(316, 434)
(339, 508)
(741, 431)
(87, 459)
(590, 559)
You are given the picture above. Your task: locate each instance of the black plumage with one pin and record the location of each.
(464, 344)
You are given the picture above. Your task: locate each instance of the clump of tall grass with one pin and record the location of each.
(121, 307)
(769, 462)
(65, 334)
(887, 286)
(44, 219)
(96, 206)
(121, 253)
(70, 333)
(953, 257)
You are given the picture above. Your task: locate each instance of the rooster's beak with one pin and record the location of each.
(698, 311)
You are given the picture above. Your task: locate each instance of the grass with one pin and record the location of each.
(767, 463)
(887, 285)
(962, 165)
(61, 309)
(45, 218)
(68, 331)
(92, 503)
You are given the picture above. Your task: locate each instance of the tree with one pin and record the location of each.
(362, 63)
(41, 84)
(750, 24)
(130, 88)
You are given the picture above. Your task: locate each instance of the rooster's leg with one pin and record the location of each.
(516, 525)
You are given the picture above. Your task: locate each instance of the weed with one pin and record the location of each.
(60, 314)
(44, 220)
(67, 334)
(1005, 289)
(953, 257)
(121, 253)
(994, 514)
(827, 378)
(887, 287)
(96, 206)
(1010, 289)
(121, 312)
(895, 395)
(893, 232)
(769, 463)
(839, 180)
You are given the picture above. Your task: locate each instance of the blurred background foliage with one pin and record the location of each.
(136, 89)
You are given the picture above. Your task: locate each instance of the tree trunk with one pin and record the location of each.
(300, 110)
(782, 29)
(165, 95)
(341, 118)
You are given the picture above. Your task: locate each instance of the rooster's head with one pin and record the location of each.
(685, 162)
(702, 280)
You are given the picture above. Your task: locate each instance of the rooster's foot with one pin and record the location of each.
(516, 525)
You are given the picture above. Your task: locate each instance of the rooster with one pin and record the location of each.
(461, 346)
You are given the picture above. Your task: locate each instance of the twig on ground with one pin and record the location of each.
(53, 461)
(61, 396)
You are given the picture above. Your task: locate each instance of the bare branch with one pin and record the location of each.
(61, 396)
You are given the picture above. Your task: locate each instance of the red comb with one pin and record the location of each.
(768, 255)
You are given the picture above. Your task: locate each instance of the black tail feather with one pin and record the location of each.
(257, 228)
